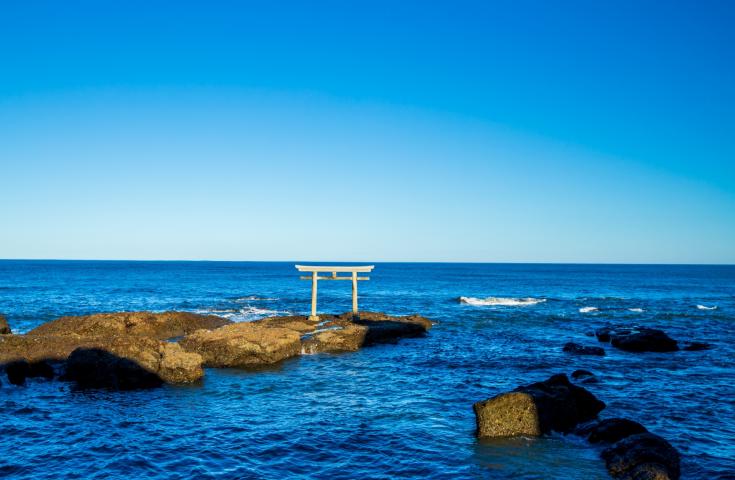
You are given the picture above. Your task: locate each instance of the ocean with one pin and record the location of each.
(389, 411)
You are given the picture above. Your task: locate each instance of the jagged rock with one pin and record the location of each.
(578, 349)
(335, 337)
(536, 409)
(167, 360)
(4, 327)
(243, 345)
(696, 346)
(612, 430)
(155, 325)
(643, 456)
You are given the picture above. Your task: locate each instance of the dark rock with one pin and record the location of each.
(17, 372)
(696, 346)
(96, 368)
(577, 374)
(642, 456)
(644, 340)
(612, 430)
(4, 327)
(161, 326)
(578, 349)
(536, 409)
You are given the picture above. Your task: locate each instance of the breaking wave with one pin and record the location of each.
(253, 298)
(636, 310)
(245, 314)
(501, 301)
(587, 309)
(703, 307)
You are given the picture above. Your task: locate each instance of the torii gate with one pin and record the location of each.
(315, 270)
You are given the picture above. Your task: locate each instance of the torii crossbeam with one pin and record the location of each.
(316, 270)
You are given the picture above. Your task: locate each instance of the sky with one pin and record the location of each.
(518, 131)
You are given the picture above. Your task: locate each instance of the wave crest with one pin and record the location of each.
(245, 314)
(501, 301)
(704, 307)
(587, 309)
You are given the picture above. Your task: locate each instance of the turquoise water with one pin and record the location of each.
(390, 411)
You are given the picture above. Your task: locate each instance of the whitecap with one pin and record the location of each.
(253, 298)
(501, 301)
(703, 307)
(636, 310)
(587, 309)
(245, 314)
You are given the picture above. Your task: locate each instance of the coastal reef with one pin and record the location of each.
(130, 350)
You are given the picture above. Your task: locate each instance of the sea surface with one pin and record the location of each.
(390, 411)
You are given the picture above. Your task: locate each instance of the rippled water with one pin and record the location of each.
(402, 411)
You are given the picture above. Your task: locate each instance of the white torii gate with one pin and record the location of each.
(316, 270)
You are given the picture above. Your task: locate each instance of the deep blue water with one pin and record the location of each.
(393, 411)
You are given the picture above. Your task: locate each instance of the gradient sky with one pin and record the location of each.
(368, 131)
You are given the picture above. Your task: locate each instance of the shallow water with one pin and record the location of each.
(401, 411)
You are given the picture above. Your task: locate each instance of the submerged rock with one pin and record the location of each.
(4, 327)
(535, 409)
(162, 325)
(243, 345)
(612, 430)
(642, 456)
(637, 339)
(584, 376)
(696, 346)
(578, 349)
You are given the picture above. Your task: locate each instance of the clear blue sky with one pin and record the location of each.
(368, 131)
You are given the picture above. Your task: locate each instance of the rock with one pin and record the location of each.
(97, 368)
(612, 430)
(162, 326)
(577, 374)
(4, 327)
(696, 346)
(642, 456)
(644, 340)
(128, 364)
(536, 409)
(578, 349)
(335, 337)
(17, 372)
(165, 359)
(243, 345)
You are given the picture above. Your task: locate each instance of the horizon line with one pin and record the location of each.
(367, 261)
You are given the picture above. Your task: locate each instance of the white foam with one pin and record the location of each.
(587, 309)
(253, 298)
(501, 301)
(703, 307)
(245, 314)
(636, 310)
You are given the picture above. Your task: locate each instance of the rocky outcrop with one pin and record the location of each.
(643, 456)
(578, 349)
(243, 345)
(162, 326)
(584, 376)
(535, 409)
(164, 359)
(4, 327)
(637, 339)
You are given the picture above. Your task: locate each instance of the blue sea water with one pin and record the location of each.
(390, 411)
